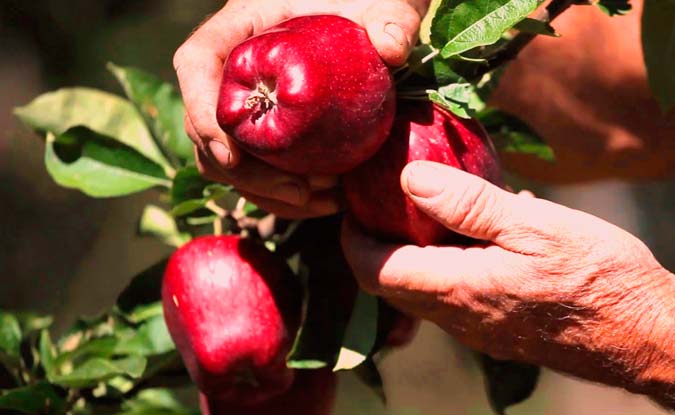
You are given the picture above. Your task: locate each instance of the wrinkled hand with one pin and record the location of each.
(551, 285)
(392, 26)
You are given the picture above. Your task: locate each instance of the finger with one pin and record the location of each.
(199, 62)
(258, 178)
(317, 183)
(393, 26)
(320, 204)
(405, 271)
(526, 193)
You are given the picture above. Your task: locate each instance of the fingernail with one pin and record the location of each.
(424, 180)
(290, 193)
(220, 153)
(396, 33)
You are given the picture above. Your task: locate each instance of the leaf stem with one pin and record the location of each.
(511, 49)
(220, 213)
(412, 68)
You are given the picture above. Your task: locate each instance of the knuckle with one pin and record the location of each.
(179, 58)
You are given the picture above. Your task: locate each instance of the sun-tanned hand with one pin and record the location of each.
(392, 26)
(551, 286)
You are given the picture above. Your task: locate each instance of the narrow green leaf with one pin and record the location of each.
(107, 114)
(615, 7)
(360, 334)
(537, 27)
(157, 222)
(96, 370)
(10, 334)
(512, 135)
(47, 353)
(99, 166)
(461, 26)
(461, 99)
(658, 46)
(161, 106)
(39, 398)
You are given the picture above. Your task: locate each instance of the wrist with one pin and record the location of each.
(655, 356)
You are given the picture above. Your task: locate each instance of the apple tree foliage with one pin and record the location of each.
(123, 361)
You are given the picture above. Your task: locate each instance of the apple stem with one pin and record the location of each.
(263, 97)
(412, 68)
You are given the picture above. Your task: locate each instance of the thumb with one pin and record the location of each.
(463, 202)
(392, 26)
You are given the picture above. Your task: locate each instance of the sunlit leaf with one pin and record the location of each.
(161, 106)
(99, 166)
(107, 114)
(360, 334)
(463, 25)
(157, 222)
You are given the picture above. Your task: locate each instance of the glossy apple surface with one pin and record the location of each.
(233, 310)
(421, 131)
(309, 95)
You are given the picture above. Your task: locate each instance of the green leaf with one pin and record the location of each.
(507, 382)
(460, 98)
(107, 114)
(152, 338)
(187, 184)
(191, 192)
(99, 166)
(47, 353)
(96, 370)
(155, 402)
(360, 334)
(39, 398)
(512, 135)
(31, 322)
(658, 46)
(141, 299)
(537, 27)
(10, 335)
(157, 222)
(615, 7)
(461, 26)
(161, 106)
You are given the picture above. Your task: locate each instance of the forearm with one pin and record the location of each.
(638, 340)
(657, 380)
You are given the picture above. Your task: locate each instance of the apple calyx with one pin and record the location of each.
(264, 97)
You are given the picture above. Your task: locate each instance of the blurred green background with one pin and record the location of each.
(64, 253)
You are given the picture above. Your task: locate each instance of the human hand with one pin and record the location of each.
(550, 286)
(392, 26)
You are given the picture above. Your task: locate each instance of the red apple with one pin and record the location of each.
(233, 310)
(421, 131)
(309, 95)
(312, 393)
